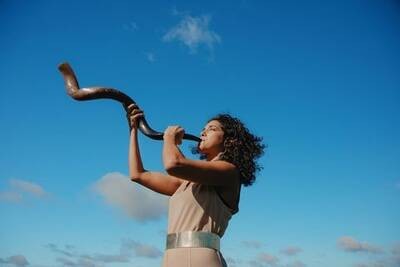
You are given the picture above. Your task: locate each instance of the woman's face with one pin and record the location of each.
(212, 139)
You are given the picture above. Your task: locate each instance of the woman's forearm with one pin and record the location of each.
(135, 160)
(172, 156)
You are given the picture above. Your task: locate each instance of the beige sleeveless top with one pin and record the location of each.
(197, 207)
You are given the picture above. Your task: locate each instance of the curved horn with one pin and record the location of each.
(82, 94)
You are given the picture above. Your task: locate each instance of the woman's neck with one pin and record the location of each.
(213, 157)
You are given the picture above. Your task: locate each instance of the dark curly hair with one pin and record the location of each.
(242, 148)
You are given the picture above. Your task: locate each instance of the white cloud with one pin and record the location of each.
(68, 251)
(348, 243)
(388, 260)
(133, 199)
(397, 185)
(150, 57)
(254, 263)
(267, 258)
(70, 256)
(177, 12)
(10, 196)
(234, 262)
(396, 254)
(396, 249)
(142, 250)
(66, 262)
(28, 187)
(131, 26)
(252, 244)
(231, 261)
(296, 264)
(20, 189)
(16, 260)
(290, 251)
(111, 258)
(193, 32)
(377, 263)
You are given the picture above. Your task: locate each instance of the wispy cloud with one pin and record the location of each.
(255, 263)
(291, 250)
(131, 26)
(396, 254)
(142, 250)
(267, 258)
(296, 264)
(82, 261)
(177, 12)
(348, 243)
(132, 199)
(16, 260)
(397, 185)
(28, 187)
(377, 263)
(396, 249)
(231, 261)
(11, 196)
(193, 32)
(388, 260)
(263, 259)
(19, 189)
(252, 244)
(69, 256)
(67, 251)
(150, 57)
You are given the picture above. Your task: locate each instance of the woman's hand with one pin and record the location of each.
(133, 115)
(174, 134)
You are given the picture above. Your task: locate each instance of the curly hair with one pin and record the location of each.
(241, 148)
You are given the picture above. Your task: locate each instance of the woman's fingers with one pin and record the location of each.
(131, 108)
(175, 132)
(136, 111)
(133, 117)
(174, 129)
(136, 116)
(179, 135)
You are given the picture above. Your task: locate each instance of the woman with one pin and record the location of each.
(204, 193)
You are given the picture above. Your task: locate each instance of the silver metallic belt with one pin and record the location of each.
(191, 239)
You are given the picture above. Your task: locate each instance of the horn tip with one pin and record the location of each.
(63, 66)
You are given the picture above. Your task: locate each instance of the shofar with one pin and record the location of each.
(90, 93)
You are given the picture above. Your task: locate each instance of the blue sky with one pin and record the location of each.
(318, 80)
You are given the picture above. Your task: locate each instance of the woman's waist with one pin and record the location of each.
(193, 239)
(201, 226)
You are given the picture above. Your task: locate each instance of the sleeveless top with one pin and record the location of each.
(197, 207)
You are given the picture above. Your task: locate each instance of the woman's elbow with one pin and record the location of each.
(171, 166)
(135, 177)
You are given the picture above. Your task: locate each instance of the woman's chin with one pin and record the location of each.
(202, 149)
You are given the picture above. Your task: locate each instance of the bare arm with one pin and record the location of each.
(219, 173)
(156, 181)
